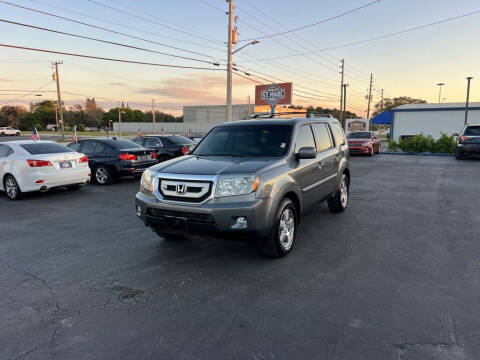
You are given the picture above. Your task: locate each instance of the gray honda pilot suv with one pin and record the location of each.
(249, 180)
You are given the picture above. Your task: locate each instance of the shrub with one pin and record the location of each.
(421, 144)
(445, 145)
(393, 145)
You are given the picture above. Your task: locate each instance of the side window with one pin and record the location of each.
(138, 141)
(304, 138)
(323, 137)
(88, 147)
(99, 149)
(10, 151)
(338, 134)
(74, 146)
(152, 142)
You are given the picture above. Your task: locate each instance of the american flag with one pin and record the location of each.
(189, 133)
(162, 132)
(139, 135)
(35, 135)
(75, 134)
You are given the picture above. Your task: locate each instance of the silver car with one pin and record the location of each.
(249, 180)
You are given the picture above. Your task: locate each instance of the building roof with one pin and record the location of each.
(437, 107)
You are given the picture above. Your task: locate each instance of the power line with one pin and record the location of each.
(315, 23)
(107, 59)
(105, 41)
(102, 28)
(36, 90)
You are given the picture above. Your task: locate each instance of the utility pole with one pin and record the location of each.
(381, 103)
(229, 60)
(119, 121)
(342, 67)
(60, 111)
(369, 96)
(249, 112)
(153, 115)
(440, 92)
(344, 117)
(468, 99)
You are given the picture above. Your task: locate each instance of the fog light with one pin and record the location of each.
(240, 223)
(139, 210)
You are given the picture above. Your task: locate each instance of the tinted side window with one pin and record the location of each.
(304, 138)
(138, 141)
(88, 147)
(152, 142)
(338, 134)
(322, 135)
(99, 148)
(74, 146)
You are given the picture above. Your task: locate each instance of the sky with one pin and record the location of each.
(409, 64)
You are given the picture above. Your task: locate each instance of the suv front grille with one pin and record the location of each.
(185, 190)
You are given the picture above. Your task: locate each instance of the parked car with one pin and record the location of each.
(166, 146)
(8, 131)
(195, 138)
(468, 142)
(28, 165)
(110, 158)
(363, 142)
(249, 180)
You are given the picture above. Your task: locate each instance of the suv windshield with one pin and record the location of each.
(473, 131)
(246, 140)
(359, 135)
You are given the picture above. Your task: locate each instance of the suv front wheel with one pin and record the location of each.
(339, 201)
(282, 238)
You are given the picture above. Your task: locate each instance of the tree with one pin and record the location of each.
(337, 114)
(389, 104)
(12, 115)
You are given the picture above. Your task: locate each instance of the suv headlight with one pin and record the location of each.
(236, 185)
(147, 181)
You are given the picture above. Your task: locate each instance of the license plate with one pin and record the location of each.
(65, 164)
(176, 224)
(143, 157)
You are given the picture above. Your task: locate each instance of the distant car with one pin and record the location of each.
(166, 146)
(110, 158)
(468, 142)
(8, 131)
(195, 138)
(28, 165)
(363, 142)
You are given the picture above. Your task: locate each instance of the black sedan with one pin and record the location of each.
(166, 146)
(110, 158)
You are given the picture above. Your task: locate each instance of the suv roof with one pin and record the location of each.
(279, 121)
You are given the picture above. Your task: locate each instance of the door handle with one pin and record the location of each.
(338, 157)
(320, 165)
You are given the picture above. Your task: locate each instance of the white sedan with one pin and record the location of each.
(8, 131)
(28, 165)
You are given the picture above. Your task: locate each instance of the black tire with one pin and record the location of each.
(337, 203)
(280, 243)
(17, 134)
(11, 188)
(102, 175)
(372, 153)
(169, 236)
(74, 187)
(459, 156)
(378, 151)
(2, 134)
(163, 158)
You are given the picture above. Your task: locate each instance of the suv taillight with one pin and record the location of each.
(38, 163)
(185, 150)
(83, 159)
(127, 156)
(463, 138)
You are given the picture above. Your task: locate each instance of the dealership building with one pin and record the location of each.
(429, 119)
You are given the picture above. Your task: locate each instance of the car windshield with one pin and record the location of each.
(473, 131)
(46, 148)
(246, 140)
(359, 135)
(123, 144)
(180, 140)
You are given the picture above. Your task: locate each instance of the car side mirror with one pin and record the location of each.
(307, 152)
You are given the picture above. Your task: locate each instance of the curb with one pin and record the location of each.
(418, 154)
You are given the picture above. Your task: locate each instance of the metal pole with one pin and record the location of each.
(369, 96)
(468, 99)
(249, 113)
(229, 62)
(153, 115)
(60, 111)
(440, 92)
(344, 117)
(119, 121)
(341, 88)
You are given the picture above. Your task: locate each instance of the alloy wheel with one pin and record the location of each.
(286, 229)
(344, 192)
(11, 187)
(101, 175)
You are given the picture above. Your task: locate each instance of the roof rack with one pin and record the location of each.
(270, 115)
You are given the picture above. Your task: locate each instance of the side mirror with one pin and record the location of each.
(307, 152)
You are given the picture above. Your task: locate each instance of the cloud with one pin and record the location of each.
(117, 84)
(5, 80)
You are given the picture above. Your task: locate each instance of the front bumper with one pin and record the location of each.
(213, 217)
(359, 149)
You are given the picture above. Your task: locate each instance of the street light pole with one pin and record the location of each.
(440, 92)
(229, 61)
(468, 99)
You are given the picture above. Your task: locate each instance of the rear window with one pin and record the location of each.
(180, 140)
(473, 131)
(123, 144)
(46, 148)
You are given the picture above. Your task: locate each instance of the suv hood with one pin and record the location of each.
(212, 165)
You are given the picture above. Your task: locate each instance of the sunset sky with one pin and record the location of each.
(409, 64)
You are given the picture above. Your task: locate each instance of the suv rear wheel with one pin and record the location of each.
(282, 238)
(339, 202)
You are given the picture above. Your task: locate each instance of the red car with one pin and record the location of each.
(363, 142)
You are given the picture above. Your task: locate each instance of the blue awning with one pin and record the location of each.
(383, 118)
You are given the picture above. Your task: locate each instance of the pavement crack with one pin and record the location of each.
(408, 345)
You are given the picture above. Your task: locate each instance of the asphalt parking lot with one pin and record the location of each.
(396, 276)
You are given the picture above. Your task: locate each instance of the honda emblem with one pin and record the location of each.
(181, 189)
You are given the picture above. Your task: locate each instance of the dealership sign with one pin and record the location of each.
(357, 125)
(273, 94)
